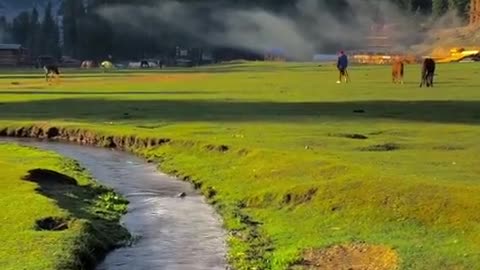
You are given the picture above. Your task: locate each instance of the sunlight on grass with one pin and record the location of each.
(84, 223)
(316, 164)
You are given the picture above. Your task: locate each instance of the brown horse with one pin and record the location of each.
(397, 71)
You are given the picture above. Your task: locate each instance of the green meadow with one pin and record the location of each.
(54, 216)
(292, 161)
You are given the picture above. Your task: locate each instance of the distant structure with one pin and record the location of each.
(275, 54)
(13, 55)
(380, 38)
(380, 45)
(475, 12)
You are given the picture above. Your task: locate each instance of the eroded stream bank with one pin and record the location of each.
(171, 232)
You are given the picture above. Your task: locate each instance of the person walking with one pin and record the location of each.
(342, 65)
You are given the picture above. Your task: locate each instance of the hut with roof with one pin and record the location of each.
(13, 55)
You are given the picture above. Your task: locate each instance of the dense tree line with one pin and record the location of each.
(78, 31)
(41, 36)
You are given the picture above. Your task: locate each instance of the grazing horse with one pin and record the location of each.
(144, 64)
(87, 64)
(397, 71)
(428, 72)
(51, 70)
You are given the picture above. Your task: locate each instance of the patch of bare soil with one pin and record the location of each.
(387, 147)
(448, 147)
(52, 224)
(354, 136)
(350, 257)
(219, 148)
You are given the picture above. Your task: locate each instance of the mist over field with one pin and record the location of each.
(299, 29)
(308, 28)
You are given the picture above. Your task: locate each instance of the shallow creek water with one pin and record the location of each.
(172, 233)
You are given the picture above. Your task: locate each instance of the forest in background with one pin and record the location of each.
(76, 27)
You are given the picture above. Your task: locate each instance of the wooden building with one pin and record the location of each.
(13, 55)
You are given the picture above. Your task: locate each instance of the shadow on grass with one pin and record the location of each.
(216, 68)
(92, 93)
(96, 110)
(41, 76)
(100, 234)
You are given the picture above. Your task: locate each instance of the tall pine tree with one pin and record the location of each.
(439, 7)
(21, 28)
(50, 34)
(5, 30)
(34, 39)
(98, 37)
(460, 6)
(73, 14)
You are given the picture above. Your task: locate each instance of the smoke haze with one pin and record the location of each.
(307, 29)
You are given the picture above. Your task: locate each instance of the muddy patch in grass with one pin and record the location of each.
(151, 126)
(386, 147)
(350, 257)
(359, 111)
(353, 136)
(448, 147)
(51, 224)
(376, 133)
(288, 199)
(217, 148)
(299, 198)
(243, 152)
(393, 132)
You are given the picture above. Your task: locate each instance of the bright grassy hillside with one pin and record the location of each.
(314, 163)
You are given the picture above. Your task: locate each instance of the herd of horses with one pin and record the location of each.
(428, 72)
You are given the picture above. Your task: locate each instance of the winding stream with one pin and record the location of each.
(173, 233)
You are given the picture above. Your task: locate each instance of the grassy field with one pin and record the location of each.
(300, 167)
(48, 221)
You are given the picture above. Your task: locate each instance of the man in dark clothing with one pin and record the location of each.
(342, 65)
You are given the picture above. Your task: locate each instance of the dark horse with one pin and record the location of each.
(428, 72)
(144, 64)
(51, 70)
